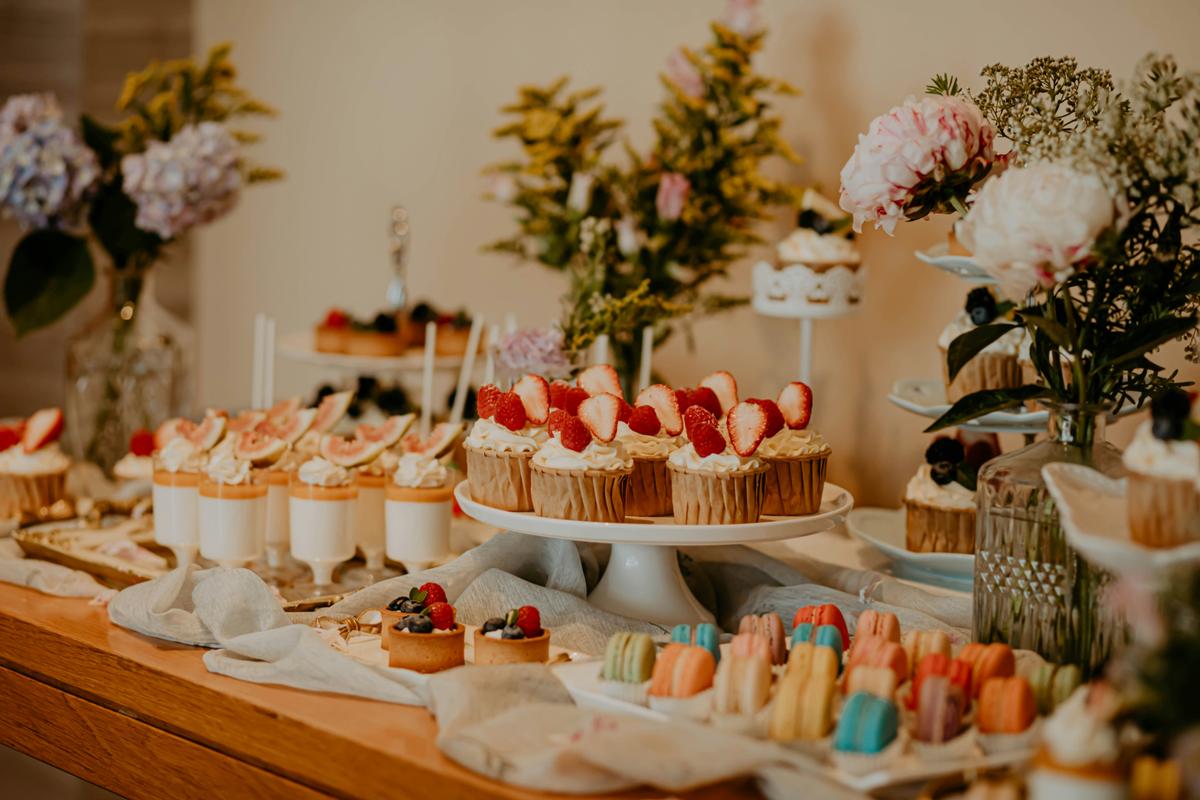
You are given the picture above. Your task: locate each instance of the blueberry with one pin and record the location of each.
(354, 410)
(493, 624)
(384, 323)
(808, 218)
(942, 472)
(418, 623)
(512, 632)
(981, 306)
(392, 401)
(366, 386)
(397, 604)
(422, 313)
(1166, 428)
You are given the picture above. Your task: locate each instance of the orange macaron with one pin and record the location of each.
(1006, 705)
(682, 670)
(994, 660)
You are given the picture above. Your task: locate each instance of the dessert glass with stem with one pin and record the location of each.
(322, 532)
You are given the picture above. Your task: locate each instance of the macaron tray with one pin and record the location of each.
(882, 709)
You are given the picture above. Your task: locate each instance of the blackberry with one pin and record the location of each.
(944, 448)
(493, 624)
(942, 472)
(354, 410)
(512, 632)
(393, 401)
(366, 386)
(384, 323)
(422, 313)
(1166, 428)
(323, 391)
(981, 306)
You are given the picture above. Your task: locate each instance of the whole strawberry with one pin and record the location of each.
(441, 615)
(644, 420)
(529, 621)
(556, 420)
(487, 400)
(574, 435)
(510, 412)
(141, 443)
(434, 593)
(695, 417)
(707, 439)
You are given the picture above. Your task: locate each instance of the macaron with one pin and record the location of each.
(771, 626)
(629, 658)
(1006, 705)
(921, 643)
(878, 623)
(1052, 684)
(808, 661)
(829, 636)
(956, 670)
(682, 670)
(876, 651)
(750, 645)
(705, 635)
(879, 681)
(802, 633)
(826, 614)
(868, 724)
(993, 660)
(940, 709)
(742, 685)
(803, 706)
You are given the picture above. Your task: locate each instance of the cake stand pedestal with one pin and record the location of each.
(643, 580)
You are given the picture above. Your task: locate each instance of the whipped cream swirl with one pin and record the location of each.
(1076, 736)
(1172, 460)
(319, 472)
(179, 455)
(134, 468)
(489, 435)
(687, 458)
(789, 443)
(227, 469)
(48, 459)
(640, 445)
(597, 455)
(417, 471)
(1009, 344)
(806, 246)
(923, 489)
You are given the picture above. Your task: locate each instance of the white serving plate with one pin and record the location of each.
(299, 346)
(927, 398)
(963, 266)
(884, 529)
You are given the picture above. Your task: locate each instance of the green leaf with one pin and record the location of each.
(968, 345)
(48, 274)
(1057, 333)
(1149, 337)
(101, 139)
(112, 219)
(977, 404)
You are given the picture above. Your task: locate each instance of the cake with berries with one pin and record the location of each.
(996, 366)
(340, 332)
(428, 641)
(580, 473)
(33, 470)
(798, 457)
(516, 638)
(715, 481)
(510, 429)
(649, 435)
(1163, 460)
(940, 499)
(416, 601)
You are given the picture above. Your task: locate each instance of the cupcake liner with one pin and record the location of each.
(794, 485)
(992, 743)
(961, 746)
(1162, 512)
(500, 480)
(648, 491)
(20, 492)
(697, 707)
(633, 693)
(930, 529)
(865, 763)
(984, 371)
(592, 495)
(717, 498)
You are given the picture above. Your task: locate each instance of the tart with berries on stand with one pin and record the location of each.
(516, 638)
(380, 336)
(415, 602)
(940, 499)
(430, 641)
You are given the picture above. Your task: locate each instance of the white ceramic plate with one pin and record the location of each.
(883, 529)
(927, 397)
(299, 346)
(1091, 507)
(836, 502)
(963, 266)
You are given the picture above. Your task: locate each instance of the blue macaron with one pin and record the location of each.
(830, 636)
(868, 724)
(802, 633)
(709, 638)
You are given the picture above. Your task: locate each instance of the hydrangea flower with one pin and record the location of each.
(22, 111)
(536, 350)
(190, 180)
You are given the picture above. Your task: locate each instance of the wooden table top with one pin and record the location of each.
(111, 705)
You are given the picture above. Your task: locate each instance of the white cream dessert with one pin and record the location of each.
(176, 498)
(1009, 344)
(640, 445)
(687, 458)
(595, 456)
(46, 460)
(233, 511)
(132, 467)
(922, 489)
(807, 246)
(789, 443)
(418, 471)
(418, 511)
(488, 435)
(1080, 755)
(1173, 459)
(370, 525)
(322, 499)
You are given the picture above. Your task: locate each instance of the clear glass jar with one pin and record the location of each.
(1031, 590)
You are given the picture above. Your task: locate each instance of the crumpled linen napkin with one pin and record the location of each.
(44, 576)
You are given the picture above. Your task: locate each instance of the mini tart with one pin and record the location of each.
(984, 371)
(388, 619)
(331, 340)
(931, 529)
(511, 651)
(702, 497)
(648, 490)
(795, 484)
(426, 652)
(451, 340)
(1162, 512)
(500, 479)
(374, 343)
(588, 495)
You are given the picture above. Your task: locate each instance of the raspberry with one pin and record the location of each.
(529, 621)
(141, 443)
(707, 440)
(336, 318)
(626, 411)
(575, 435)
(558, 394)
(705, 397)
(573, 398)
(644, 420)
(441, 615)
(434, 593)
(510, 412)
(554, 423)
(487, 400)
(696, 416)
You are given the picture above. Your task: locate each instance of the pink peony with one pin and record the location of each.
(909, 150)
(742, 17)
(673, 190)
(685, 76)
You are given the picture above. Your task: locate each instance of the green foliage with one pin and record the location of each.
(944, 84)
(49, 272)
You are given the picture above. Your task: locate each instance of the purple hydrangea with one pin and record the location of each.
(190, 180)
(536, 350)
(21, 111)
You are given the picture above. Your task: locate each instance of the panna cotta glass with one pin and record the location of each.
(369, 525)
(322, 497)
(176, 495)
(418, 511)
(233, 512)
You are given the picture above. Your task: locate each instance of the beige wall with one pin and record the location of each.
(388, 102)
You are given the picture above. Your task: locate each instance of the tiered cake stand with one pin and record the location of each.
(643, 580)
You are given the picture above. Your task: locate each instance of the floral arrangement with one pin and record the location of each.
(536, 350)
(170, 164)
(1085, 216)
(643, 241)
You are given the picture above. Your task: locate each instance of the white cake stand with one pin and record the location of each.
(643, 580)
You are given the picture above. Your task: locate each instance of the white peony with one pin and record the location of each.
(1030, 226)
(908, 150)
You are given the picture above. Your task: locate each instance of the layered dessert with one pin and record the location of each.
(288, 425)
(712, 482)
(798, 457)
(997, 366)
(501, 445)
(418, 509)
(430, 641)
(1163, 487)
(516, 638)
(371, 479)
(33, 470)
(321, 498)
(233, 511)
(581, 472)
(176, 498)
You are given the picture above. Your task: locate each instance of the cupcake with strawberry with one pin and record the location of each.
(417, 600)
(580, 473)
(515, 638)
(510, 429)
(649, 436)
(797, 456)
(429, 641)
(715, 481)
(33, 470)
(136, 467)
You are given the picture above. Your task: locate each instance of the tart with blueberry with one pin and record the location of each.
(516, 638)
(1163, 460)
(430, 641)
(415, 602)
(378, 336)
(940, 499)
(994, 367)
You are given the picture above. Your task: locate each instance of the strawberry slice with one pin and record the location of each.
(9, 437)
(665, 404)
(510, 412)
(725, 386)
(644, 420)
(487, 400)
(681, 399)
(705, 396)
(42, 428)
(600, 379)
(599, 414)
(696, 416)
(775, 421)
(747, 426)
(574, 434)
(535, 396)
(795, 403)
(707, 440)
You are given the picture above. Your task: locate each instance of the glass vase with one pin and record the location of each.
(1032, 590)
(128, 368)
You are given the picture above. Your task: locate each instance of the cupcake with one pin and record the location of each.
(33, 470)
(649, 437)
(797, 457)
(715, 482)
(415, 602)
(581, 472)
(940, 501)
(500, 448)
(994, 367)
(1161, 490)
(431, 641)
(516, 638)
